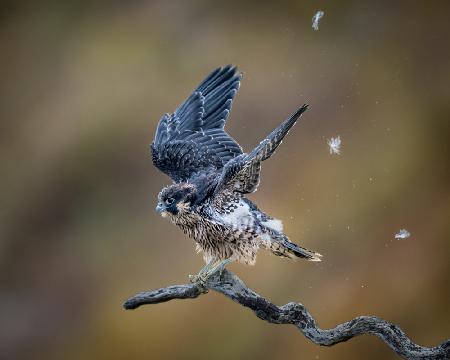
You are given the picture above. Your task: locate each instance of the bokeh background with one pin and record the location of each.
(83, 86)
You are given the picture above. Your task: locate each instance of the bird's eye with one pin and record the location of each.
(170, 200)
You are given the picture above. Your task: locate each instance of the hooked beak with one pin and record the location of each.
(160, 208)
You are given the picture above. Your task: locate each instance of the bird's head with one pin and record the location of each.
(175, 199)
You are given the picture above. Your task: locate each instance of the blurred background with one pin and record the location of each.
(83, 86)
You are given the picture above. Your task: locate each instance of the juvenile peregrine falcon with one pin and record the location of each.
(211, 176)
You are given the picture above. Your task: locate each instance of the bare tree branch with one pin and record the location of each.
(296, 314)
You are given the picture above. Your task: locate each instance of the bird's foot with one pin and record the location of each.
(210, 269)
(199, 279)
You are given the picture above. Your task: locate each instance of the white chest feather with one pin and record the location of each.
(241, 216)
(274, 224)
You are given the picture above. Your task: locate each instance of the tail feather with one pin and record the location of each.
(302, 252)
(280, 245)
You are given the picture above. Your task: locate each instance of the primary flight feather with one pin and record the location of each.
(211, 176)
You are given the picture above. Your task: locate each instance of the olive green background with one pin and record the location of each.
(83, 86)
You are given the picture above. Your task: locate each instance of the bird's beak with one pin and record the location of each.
(160, 208)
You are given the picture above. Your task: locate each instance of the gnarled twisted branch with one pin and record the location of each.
(296, 314)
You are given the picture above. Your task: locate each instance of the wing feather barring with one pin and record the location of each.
(212, 175)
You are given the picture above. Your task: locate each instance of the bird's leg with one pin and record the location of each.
(220, 267)
(211, 268)
(204, 270)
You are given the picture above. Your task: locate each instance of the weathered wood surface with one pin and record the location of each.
(295, 314)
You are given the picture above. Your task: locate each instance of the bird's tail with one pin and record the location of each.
(280, 245)
(267, 147)
(301, 252)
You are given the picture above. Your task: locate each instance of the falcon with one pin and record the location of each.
(212, 175)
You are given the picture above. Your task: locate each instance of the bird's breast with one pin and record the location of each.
(190, 223)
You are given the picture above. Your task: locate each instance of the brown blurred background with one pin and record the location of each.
(83, 86)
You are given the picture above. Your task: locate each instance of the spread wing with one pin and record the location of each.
(241, 175)
(193, 137)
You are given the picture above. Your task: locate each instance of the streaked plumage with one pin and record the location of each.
(211, 176)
